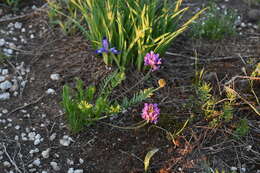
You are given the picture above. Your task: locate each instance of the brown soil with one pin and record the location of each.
(112, 150)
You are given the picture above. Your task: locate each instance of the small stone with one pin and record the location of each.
(5, 72)
(55, 76)
(5, 96)
(70, 162)
(18, 25)
(2, 42)
(7, 164)
(233, 168)
(23, 30)
(53, 136)
(65, 141)
(17, 127)
(71, 170)
(4, 111)
(5, 85)
(31, 136)
(37, 162)
(78, 171)
(243, 25)
(81, 161)
(2, 78)
(32, 36)
(50, 91)
(55, 166)
(46, 153)
(37, 142)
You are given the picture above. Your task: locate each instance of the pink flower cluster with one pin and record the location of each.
(153, 60)
(151, 113)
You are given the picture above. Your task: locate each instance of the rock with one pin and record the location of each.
(5, 96)
(2, 42)
(65, 141)
(55, 166)
(18, 25)
(254, 15)
(5, 85)
(53, 136)
(37, 141)
(50, 91)
(81, 161)
(55, 76)
(2, 78)
(71, 170)
(7, 164)
(5, 72)
(46, 153)
(37, 162)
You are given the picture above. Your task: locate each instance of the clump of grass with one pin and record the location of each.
(242, 128)
(215, 24)
(12, 4)
(134, 27)
(215, 110)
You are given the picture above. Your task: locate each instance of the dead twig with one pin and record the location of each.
(22, 107)
(11, 160)
(24, 15)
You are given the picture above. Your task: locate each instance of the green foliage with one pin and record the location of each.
(57, 16)
(214, 110)
(12, 3)
(85, 106)
(242, 128)
(135, 27)
(215, 24)
(148, 157)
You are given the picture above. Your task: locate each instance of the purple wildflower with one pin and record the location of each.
(151, 112)
(153, 60)
(105, 48)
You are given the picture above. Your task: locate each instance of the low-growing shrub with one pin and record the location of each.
(215, 24)
(84, 107)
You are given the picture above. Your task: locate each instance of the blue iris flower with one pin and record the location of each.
(105, 48)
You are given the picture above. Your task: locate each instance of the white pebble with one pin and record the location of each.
(78, 171)
(2, 42)
(55, 166)
(7, 164)
(5, 85)
(53, 136)
(5, 72)
(50, 91)
(4, 111)
(18, 25)
(37, 142)
(81, 161)
(55, 76)
(233, 168)
(5, 96)
(65, 141)
(37, 162)
(46, 153)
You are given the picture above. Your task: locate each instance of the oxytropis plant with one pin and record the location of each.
(85, 106)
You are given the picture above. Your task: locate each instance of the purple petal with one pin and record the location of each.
(114, 51)
(100, 51)
(105, 43)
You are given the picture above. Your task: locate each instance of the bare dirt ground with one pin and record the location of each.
(33, 126)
